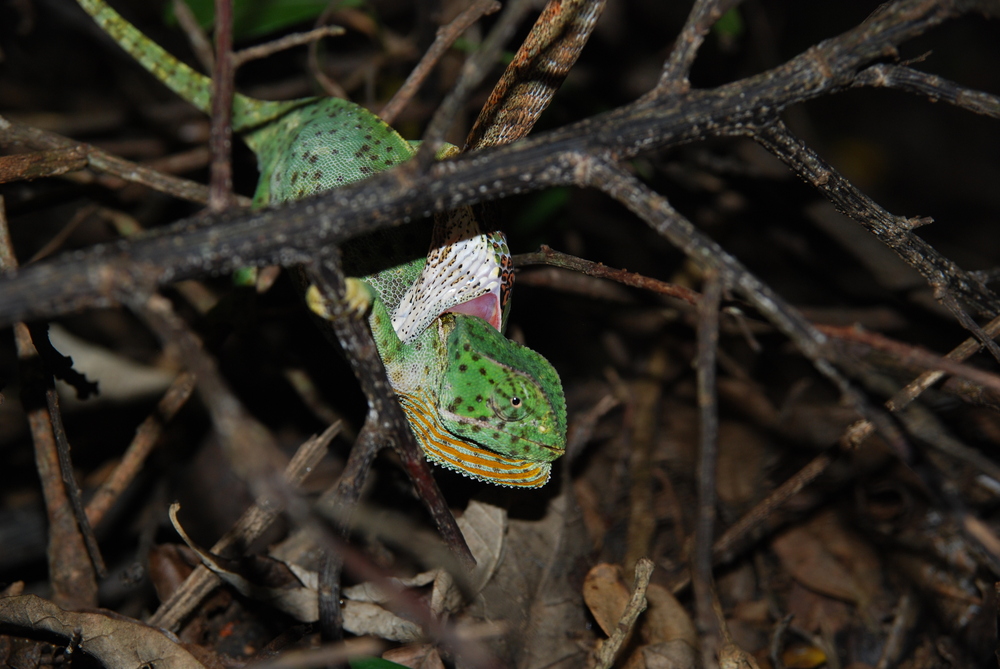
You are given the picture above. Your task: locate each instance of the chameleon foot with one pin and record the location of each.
(357, 301)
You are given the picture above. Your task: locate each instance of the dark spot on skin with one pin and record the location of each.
(482, 370)
(313, 159)
(365, 169)
(427, 370)
(467, 347)
(496, 435)
(476, 428)
(469, 409)
(458, 356)
(462, 368)
(514, 438)
(475, 358)
(318, 175)
(479, 398)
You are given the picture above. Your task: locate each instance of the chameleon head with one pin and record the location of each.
(500, 395)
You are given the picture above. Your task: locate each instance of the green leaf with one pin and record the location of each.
(254, 18)
(543, 206)
(729, 25)
(373, 663)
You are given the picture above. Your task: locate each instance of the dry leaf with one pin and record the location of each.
(606, 596)
(117, 643)
(823, 556)
(536, 588)
(363, 618)
(415, 656)
(665, 619)
(732, 656)
(668, 655)
(484, 527)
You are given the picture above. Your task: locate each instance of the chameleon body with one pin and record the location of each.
(477, 402)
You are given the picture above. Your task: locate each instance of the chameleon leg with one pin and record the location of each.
(358, 299)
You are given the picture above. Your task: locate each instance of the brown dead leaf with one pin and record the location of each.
(415, 656)
(536, 589)
(668, 655)
(665, 619)
(742, 461)
(824, 556)
(732, 656)
(605, 594)
(116, 642)
(362, 618)
(484, 527)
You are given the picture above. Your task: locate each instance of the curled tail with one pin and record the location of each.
(191, 85)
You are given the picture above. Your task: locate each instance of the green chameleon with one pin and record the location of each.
(477, 402)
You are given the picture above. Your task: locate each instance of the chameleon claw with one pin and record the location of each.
(317, 303)
(357, 301)
(357, 296)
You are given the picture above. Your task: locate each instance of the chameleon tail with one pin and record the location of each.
(191, 85)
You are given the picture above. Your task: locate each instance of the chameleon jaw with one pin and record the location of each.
(468, 458)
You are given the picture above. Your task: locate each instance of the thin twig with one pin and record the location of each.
(390, 422)
(636, 605)
(547, 256)
(445, 37)
(197, 38)
(146, 436)
(934, 87)
(245, 531)
(908, 354)
(702, 16)
(18, 136)
(705, 366)
(473, 72)
(739, 534)
(71, 572)
(69, 480)
(947, 278)
(220, 189)
(645, 419)
(38, 164)
(287, 42)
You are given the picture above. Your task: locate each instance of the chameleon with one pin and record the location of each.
(477, 402)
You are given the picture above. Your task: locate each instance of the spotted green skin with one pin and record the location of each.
(501, 395)
(480, 387)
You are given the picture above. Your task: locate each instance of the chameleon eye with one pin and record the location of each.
(510, 400)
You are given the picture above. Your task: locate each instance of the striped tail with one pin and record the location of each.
(442, 447)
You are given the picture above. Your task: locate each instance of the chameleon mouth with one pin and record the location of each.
(443, 448)
(485, 306)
